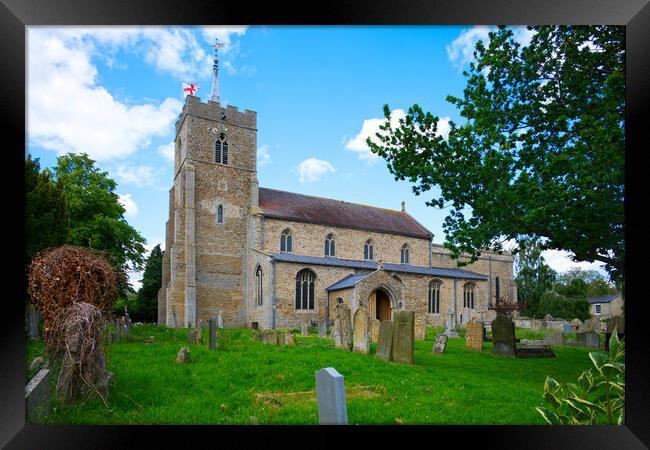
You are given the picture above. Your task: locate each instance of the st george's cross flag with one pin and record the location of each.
(189, 88)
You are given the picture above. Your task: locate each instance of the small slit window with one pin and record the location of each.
(220, 214)
(258, 286)
(286, 242)
(221, 149)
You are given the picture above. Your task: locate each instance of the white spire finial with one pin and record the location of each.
(215, 70)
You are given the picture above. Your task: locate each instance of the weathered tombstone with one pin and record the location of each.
(440, 344)
(281, 339)
(385, 340)
(567, 328)
(403, 337)
(503, 336)
(37, 394)
(322, 329)
(374, 330)
(450, 328)
(270, 337)
(304, 329)
(360, 336)
(220, 319)
(213, 333)
(474, 335)
(183, 355)
(554, 339)
(289, 339)
(343, 324)
(592, 340)
(330, 393)
(420, 330)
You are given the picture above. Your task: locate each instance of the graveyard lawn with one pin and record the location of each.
(246, 381)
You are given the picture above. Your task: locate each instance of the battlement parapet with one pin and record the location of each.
(214, 111)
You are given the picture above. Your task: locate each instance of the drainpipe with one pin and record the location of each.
(262, 226)
(327, 311)
(273, 303)
(455, 303)
(430, 251)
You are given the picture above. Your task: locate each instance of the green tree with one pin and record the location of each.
(46, 213)
(588, 283)
(96, 215)
(147, 297)
(541, 151)
(533, 276)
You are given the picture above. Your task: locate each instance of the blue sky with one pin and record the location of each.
(115, 93)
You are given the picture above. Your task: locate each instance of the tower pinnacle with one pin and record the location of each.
(215, 71)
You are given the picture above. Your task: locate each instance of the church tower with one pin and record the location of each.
(207, 233)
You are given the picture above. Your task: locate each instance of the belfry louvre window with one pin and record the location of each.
(329, 245)
(221, 150)
(286, 244)
(258, 286)
(434, 297)
(305, 289)
(367, 250)
(404, 254)
(468, 295)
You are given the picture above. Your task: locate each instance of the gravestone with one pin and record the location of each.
(183, 355)
(213, 333)
(385, 340)
(374, 330)
(220, 319)
(289, 339)
(588, 339)
(322, 329)
(343, 324)
(474, 335)
(554, 339)
(450, 327)
(32, 321)
(420, 330)
(37, 396)
(360, 336)
(503, 336)
(440, 344)
(567, 328)
(270, 337)
(330, 393)
(403, 337)
(304, 329)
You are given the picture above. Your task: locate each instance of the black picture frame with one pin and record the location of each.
(15, 15)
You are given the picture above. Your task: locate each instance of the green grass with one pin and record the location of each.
(245, 378)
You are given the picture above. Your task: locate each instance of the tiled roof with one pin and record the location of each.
(602, 299)
(326, 211)
(347, 281)
(372, 265)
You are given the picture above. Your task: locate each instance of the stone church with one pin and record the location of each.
(276, 260)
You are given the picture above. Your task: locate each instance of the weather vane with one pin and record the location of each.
(215, 70)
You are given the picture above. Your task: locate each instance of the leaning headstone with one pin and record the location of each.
(304, 329)
(440, 344)
(322, 329)
(374, 330)
(213, 333)
(220, 319)
(183, 355)
(37, 394)
(474, 334)
(554, 339)
(385, 340)
(503, 336)
(330, 393)
(403, 337)
(360, 336)
(343, 324)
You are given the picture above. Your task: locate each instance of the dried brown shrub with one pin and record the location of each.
(79, 336)
(61, 276)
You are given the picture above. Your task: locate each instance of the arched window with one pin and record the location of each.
(367, 250)
(404, 254)
(434, 297)
(219, 214)
(329, 245)
(221, 149)
(258, 286)
(286, 244)
(468, 295)
(305, 280)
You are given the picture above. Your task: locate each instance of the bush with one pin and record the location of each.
(597, 398)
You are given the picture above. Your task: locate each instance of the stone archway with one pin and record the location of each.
(390, 290)
(379, 304)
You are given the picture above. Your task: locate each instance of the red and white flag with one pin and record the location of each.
(189, 88)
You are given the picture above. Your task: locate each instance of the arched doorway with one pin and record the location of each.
(380, 307)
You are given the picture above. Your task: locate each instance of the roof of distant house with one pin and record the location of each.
(603, 298)
(337, 213)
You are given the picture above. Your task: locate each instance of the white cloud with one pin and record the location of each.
(138, 175)
(560, 261)
(370, 128)
(312, 169)
(69, 112)
(167, 151)
(263, 156)
(129, 205)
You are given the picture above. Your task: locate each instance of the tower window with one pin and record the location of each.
(219, 214)
(286, 244)
(221, 150)
(367, 250)
(329, 245)
(404, 254)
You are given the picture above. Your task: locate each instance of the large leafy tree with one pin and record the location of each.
(96, 215)
(541, 150)
(533, 276)
(147, 297)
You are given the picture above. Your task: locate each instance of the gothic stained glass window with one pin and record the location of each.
(305, 289)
